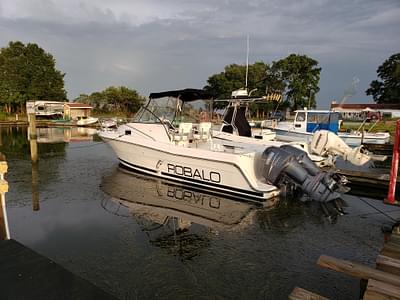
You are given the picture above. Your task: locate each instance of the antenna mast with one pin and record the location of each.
(247, 60)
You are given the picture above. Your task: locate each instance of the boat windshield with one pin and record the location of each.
(158, 110)
(173, 110)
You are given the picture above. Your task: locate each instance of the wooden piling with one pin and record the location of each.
(33, 138)
(4, 230)
(35, 190)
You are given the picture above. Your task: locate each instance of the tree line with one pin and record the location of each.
(27, 72)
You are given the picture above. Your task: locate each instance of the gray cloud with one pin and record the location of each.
(155, 45)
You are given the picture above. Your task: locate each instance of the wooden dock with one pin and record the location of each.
(25, 274)
(383, 281)
(360, 183)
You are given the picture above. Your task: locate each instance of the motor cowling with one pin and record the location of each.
(290, 165)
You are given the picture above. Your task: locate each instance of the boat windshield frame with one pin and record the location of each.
(152, 113)
(171, 111)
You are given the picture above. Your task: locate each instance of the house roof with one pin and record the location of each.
(365, 105)
(78, 105)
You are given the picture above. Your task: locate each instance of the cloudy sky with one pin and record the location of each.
(155, 45)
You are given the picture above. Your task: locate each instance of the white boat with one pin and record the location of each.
(85, 121)
(307, 122)
(157, 144)
(109, 123)
(323, 147)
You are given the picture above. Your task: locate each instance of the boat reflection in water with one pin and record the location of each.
(170, 213)
(63, 134)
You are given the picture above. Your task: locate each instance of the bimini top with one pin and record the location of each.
(186, 95)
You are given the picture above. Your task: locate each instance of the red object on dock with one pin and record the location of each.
(390, 199)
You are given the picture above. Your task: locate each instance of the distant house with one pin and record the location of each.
(358, 112)
(74, 111)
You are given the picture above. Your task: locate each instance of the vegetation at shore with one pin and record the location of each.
(27, 72)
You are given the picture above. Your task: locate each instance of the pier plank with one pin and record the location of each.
(388, 264)
(395, 238)
(391, 250)
(302, 294)
(382, 289)
(25, 274)
(357, 270)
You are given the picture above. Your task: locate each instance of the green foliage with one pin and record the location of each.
(113, 99)
(387, 90)
(299, 76)
(234, 77)
(27, 72)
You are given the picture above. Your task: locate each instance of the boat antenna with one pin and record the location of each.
(247, 60)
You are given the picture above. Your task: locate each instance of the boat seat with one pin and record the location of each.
(203, 132)
(184, 132)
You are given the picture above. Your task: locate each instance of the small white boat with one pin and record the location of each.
(108, 123)
(85, 121)
(165, 140)
(307, 122)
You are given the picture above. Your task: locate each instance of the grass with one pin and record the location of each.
(382, 126)
(11, 118)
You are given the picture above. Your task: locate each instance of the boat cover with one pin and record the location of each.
(186, 95)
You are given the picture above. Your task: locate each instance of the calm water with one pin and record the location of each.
(140, 238)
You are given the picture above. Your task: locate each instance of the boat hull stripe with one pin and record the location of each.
(220, 188)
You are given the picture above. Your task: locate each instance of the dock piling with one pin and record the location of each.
(4, 230)
(33, 137)
(390, 199)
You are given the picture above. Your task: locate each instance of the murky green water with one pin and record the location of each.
(141, 238)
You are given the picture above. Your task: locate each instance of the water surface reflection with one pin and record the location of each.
(141, 238)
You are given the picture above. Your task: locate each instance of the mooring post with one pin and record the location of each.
(33, 138)
(390, 199)
(35, 190)
(4, 230)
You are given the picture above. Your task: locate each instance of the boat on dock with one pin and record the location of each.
(166, 140)
(307, 122)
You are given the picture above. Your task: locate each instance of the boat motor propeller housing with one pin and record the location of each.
(289, 165)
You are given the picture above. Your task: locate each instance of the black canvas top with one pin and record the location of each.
(185, 95)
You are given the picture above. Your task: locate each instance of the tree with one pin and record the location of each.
(27, 72)
(387, 90)
(299, 76)
(114, 99)
(234, 77)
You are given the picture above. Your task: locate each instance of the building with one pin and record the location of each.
(74, 111)
(360, 112)
(45, 109)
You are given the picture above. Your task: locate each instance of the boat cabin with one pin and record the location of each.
(313, 120)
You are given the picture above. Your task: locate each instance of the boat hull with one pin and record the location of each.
(350, 139)
(219, 174)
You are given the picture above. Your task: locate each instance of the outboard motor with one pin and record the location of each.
(288, 165)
